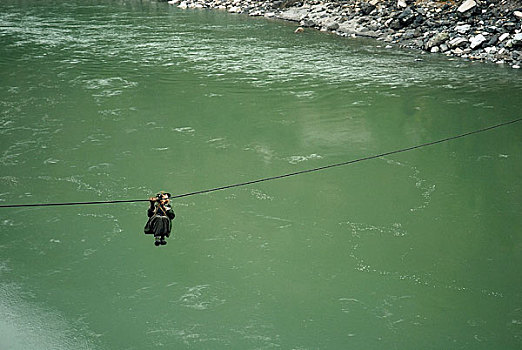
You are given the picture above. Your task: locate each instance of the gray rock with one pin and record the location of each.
(353, 28)
(463, 29)
(517, 40)
(293, 14)
(466, 6)
(410, 34)
(437, 39)
(503, 37)
(493, 40)
(518, 14)
(331, 25)
(235, 9)
(457, 52)
(367, 7)
(256, 13)
(406, 17)
(477, 41)
(418, 43)
(395, 24)
(307, 23)
(419, 19)
(457, 42)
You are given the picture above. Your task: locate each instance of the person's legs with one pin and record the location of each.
(163, 241)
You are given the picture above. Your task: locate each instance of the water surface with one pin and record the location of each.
(104, 100)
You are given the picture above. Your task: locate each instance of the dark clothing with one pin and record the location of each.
(160, 221)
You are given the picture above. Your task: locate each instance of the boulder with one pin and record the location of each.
(294, 14)
(406, 17)
(463, 29)
(256, 13)
(410, 34)
(331, 25)
(395, 24)
(517, 40)
(503, 37)
(466, 6)
(419, 19)
(351, 27)
(493, 40)
(437, 39)
(307, 23)
(366, 8)
(348, 27)
(457, 42)
(477, 41)
(235, 9)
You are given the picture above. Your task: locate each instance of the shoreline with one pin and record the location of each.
(478, 30)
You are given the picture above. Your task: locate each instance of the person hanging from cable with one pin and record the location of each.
(160, 215)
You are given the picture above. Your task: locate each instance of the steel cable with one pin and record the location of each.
(246, 183)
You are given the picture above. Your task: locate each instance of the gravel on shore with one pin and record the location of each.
(483, 30)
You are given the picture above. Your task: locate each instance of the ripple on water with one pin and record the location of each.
(107, 87)
(362, 232)
(201, 297)
(10, 181)
(421, 184)
(299, 159)
(219, 143)
(185, 130)
(260, 195)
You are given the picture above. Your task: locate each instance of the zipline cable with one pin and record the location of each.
(431, 143)
(350, 161)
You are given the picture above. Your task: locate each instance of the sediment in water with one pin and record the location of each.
(484, 30)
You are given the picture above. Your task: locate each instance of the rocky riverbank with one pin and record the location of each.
(485, 30)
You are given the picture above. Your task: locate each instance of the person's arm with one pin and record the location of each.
(170, 212)
(151, 210)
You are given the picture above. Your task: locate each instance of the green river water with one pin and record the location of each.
(103, 100)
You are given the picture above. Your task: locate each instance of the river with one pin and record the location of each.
(103, 100)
